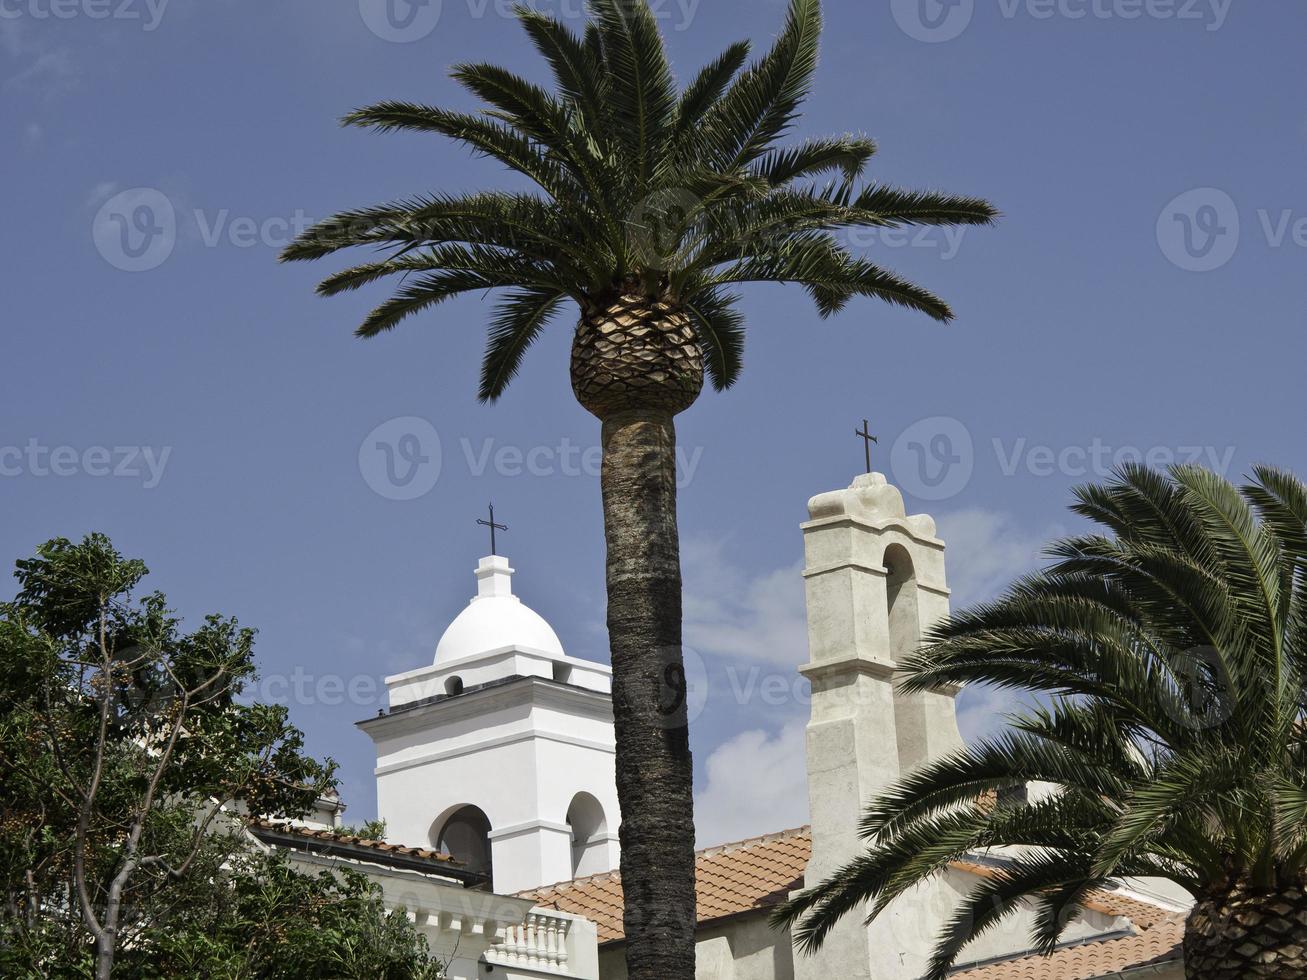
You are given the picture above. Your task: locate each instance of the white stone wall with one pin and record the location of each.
(742, 948)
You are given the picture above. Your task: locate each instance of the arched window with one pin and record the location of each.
(589, 835)
(465, 836)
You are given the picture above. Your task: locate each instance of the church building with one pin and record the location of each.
(495, 779)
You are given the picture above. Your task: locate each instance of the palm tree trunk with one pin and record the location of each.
(1241, 934)
(654, 769)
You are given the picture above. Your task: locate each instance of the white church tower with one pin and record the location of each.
(874, 582)
(501, 751)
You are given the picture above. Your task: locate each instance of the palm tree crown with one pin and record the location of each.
(675, 195)
(1169, 659)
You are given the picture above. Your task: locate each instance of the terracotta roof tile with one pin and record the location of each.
(761, 872)
(731, 879)
(421, 853)
(1159, 944)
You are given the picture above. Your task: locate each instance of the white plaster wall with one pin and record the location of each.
(481, 668)
(520, 753)
(743, 948)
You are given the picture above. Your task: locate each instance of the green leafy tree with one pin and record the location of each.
(1169, 657)
(652, 204)
(125, 746)
(264, 919)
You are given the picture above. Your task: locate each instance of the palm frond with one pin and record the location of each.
(1168, 735)
(720, 327)
(642, 93)
(517, 323)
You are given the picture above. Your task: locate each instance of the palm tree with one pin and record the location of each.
(651, 204)
(1168, 657)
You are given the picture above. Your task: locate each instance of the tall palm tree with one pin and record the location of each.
(651, 204)
(1169, 657)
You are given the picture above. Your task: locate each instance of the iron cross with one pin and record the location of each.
(493, 526)
(867, 439)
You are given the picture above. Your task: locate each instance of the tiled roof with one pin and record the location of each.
(1143, 915)
(735, 878)
(1158, 944)
(759, 873)
(332, 837)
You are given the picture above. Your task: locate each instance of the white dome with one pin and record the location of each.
(495, 619)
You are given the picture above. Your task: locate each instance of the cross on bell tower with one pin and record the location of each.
(867, 438)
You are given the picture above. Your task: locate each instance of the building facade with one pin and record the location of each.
(495, 766)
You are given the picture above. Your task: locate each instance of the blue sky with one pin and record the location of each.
(168, 383)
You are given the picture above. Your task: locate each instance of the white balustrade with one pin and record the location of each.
(539, 943)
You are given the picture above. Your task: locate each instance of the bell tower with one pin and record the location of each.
(874, 583)
(501, 751)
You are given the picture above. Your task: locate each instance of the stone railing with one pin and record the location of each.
(539, 943)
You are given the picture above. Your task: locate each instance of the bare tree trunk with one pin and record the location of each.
(654, 768)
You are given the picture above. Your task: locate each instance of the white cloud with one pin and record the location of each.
(757, 784)
(49, 70)
(741, 615)
(987, 550)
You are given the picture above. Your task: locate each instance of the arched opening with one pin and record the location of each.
(585, 816)
(904, 626)
(901, 595)
(454, 686)
(465, 836)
